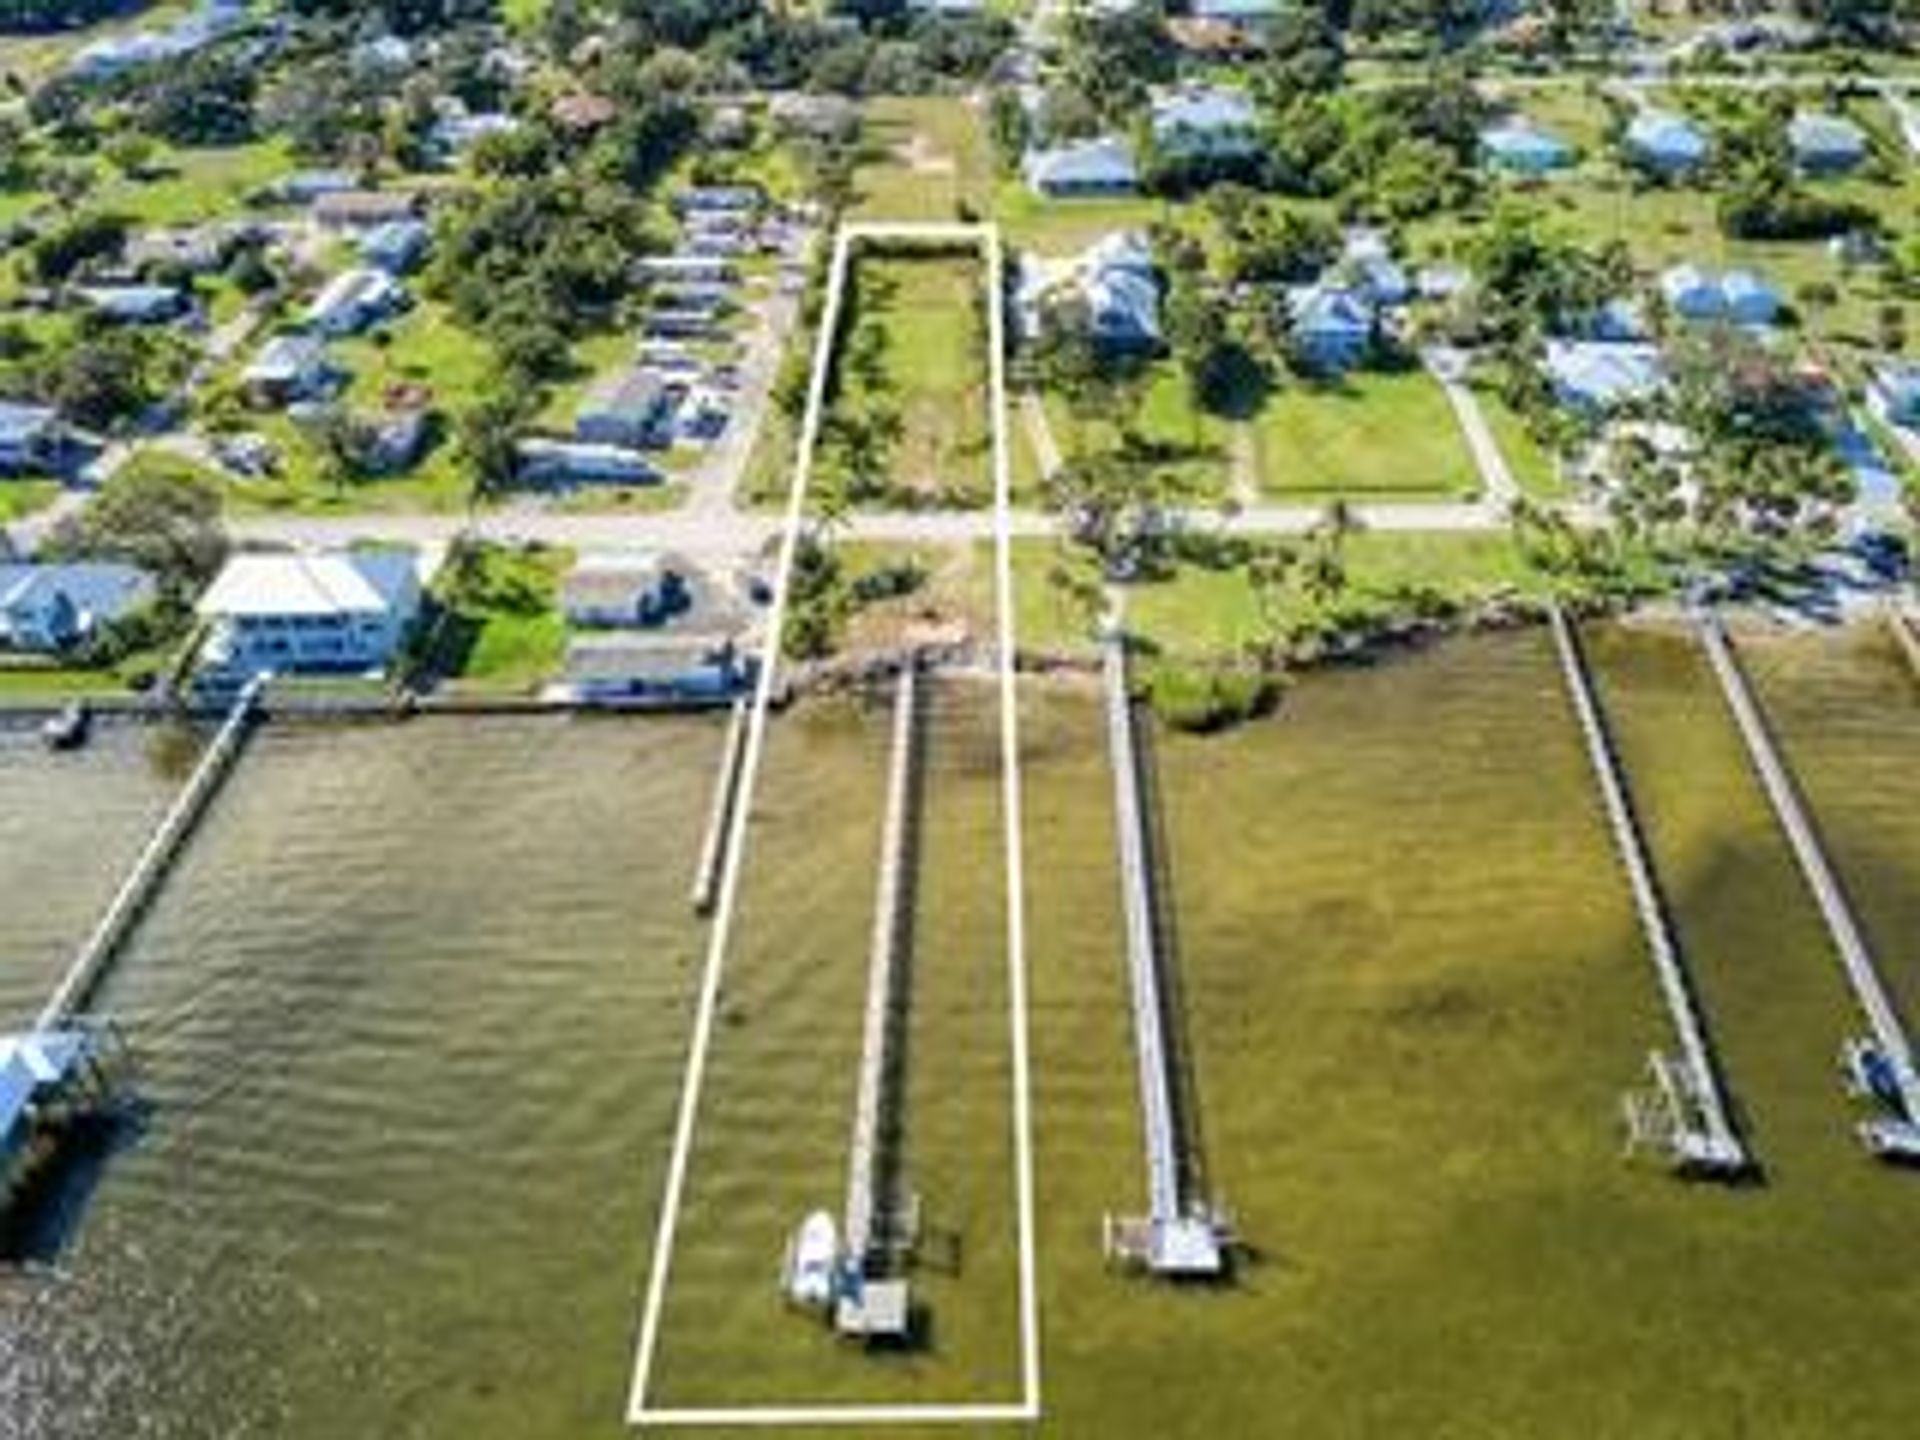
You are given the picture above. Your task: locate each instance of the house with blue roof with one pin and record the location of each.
(1087, 167)
(1237, 12)
(395, 247)
(135, 304)
(1112, 288)
(1826, 144)
(1333, 328)
(1205, 123)
(1738, 297)
(1893, 394)
(31, 438)
(1666, 144)
(1596, 377)
(1518, 147)
(45, 609)
(1367, 265)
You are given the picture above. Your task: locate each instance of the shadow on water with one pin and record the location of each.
(47, 1214)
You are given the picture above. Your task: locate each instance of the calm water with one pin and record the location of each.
(412, 1017)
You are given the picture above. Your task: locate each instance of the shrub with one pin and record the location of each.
(1203, 700)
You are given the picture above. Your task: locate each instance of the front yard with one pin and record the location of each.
(1372, 435)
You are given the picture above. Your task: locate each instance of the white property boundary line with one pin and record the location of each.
(639, 1412)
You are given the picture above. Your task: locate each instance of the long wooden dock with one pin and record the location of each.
(871, 1222)
(726, 793)
(1697, 1129)
(150, 868)
(1180, 1237)
(1883, 1019)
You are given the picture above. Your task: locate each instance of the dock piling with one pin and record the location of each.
(726, 793)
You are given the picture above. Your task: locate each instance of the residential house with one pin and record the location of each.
(349, 210)
(1205, 123)
(1666, 144)
(578, 462)
(1085, 167)
(1366, 261)
(1893, 394)
(1518, 147)
(656, 668)
(395, 247)
(50, 608)
(615, 591)
(289, 368)
(738, 200)
(1112, 288)
(135, 304)
(717, 269)
(340, 611)
(31, 438)
(1826, 144)
(633, 409)
(194, 250)
(457, 133)
(355, 300)
(1738, 297)
(1595, 377)
(305, 187)
(115, 55)
(1333, 328)
(1237, 12)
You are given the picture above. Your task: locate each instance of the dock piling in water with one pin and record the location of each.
(1689, 1111)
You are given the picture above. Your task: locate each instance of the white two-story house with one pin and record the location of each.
(342, 611)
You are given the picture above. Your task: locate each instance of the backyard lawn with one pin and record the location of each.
(1195, 444)
(1372, 435)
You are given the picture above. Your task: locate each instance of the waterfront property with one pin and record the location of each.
(340, 611)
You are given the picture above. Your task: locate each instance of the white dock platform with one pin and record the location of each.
(1895, 1140)
(1180, 1238)
(1700, 1137)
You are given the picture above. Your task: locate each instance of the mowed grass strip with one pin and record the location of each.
(1371, 434)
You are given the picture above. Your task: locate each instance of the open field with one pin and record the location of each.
(913, 358)
(1370, 434)
(1195, 444)
(922, 158)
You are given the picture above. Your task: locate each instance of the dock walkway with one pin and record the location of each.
(1181, 1238)
(154, 860)
(871, 1226)
(1889, 1033)
(1700, 1134)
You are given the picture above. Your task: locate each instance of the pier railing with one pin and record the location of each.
(1700, 1134)
(162, 847)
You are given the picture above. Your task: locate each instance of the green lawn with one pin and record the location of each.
(1065, 227)
(921, 159)
(192, 187)
(1371, 435)
(1196, 443)
(930, 372)
(500, 627)
(1534, 470)
(21, 498)
(1202, 612)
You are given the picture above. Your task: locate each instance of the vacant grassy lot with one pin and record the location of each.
(499, 626)
(914, 361)
(1534, 469)
(1195, 446)
(922, 158)
(1373, 434)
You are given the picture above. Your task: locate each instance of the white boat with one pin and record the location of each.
(813, 1259)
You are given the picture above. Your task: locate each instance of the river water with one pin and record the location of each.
(411, 1017)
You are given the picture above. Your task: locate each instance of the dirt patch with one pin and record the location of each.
(920, 155)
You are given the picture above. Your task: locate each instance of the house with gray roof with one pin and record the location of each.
(31, 438)
(1826, 144)
(1112, 288)
(1595, 377)
(355, 300)
(1205, 123)
(631, 408)
(1333, 328)
(1081, 168)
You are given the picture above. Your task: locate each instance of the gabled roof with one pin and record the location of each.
(1212, 110)
(1106, 162)
(1826, 137)
(1518, 138)
(349, 582)
(98, 589)
(1330, 310)
(1668, 138)
(1602, 375)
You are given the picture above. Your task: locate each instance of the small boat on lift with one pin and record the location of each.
(811, 1275)
(70, 728)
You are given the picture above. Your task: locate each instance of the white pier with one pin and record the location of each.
(875, 1226)
(151, 866)
(1885, 1065)
(1178, 1236)
(1688, 1111)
